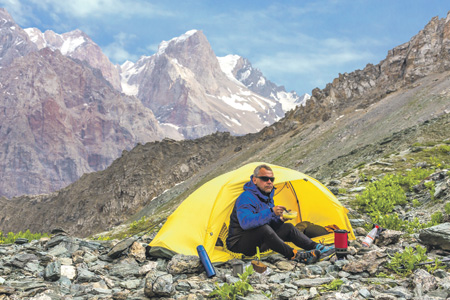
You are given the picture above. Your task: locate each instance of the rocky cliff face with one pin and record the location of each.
(61, 119)
(186, 89)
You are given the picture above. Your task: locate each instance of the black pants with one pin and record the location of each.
(265, 237)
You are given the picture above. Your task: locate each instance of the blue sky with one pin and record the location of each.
(300, 44)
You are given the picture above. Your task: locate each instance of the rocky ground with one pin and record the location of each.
(66, 267)
(63, 267)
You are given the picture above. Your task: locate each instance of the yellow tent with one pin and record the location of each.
(201, 217)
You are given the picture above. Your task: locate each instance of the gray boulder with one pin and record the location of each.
(437, 236)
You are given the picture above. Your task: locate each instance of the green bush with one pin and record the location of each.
(102, 238)
(403, 263)
(334, 285)
(437, 218)
(139, 225)
(444, 149)
(231, 291)
(447, 208)
(381, 196)
(413, 177)
(435, 162)
(342, 191)
(431, 186)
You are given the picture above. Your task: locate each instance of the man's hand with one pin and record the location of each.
(278, 210)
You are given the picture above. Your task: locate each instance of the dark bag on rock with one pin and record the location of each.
(312, 230)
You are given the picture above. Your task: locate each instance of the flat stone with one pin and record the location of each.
(120, 247)
(6, 290)
(307, 283)
(68, 271)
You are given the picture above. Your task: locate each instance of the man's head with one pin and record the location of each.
(263, 178)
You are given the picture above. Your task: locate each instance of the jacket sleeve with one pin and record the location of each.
(252, 213)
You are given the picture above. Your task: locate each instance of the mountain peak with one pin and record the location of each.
(5, 16)
(164, 44)
(67, 43)
(77, 44)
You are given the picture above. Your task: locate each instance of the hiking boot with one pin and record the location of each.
(307, 257)
(325, 251)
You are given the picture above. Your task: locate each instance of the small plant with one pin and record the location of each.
(437, 218)
(403, 263)
(437, 265)
(381, 196)
(102, 238)
(138, 225)
(334, 285)
(342, 191)
(431, 185)
(447, 208)
(435, 162)
(413, 177)
(363, 177)
(415, 203)
(360, 165)
(231, 291)
(444, 149)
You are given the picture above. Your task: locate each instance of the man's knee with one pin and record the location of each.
(288, 227)
(266, 229)
(287, 231)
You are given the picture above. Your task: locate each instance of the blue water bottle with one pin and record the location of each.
(210, 272)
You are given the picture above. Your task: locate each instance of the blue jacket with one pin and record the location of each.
(251, 210)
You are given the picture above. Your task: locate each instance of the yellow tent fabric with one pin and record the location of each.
(199, 219)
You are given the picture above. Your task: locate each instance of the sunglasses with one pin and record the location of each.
(266, 178)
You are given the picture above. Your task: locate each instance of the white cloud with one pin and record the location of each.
(20, 13)
(116, 50)
(99, 8)
(304, 63)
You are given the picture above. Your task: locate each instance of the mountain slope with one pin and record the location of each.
(330, 134)
(69, 107)
(60, 120)
(186, 89)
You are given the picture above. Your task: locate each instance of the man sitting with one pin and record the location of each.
(257, 222)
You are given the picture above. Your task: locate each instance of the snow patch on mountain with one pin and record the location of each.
(67, 43)
(238, 103)
(289, 102)
(70, 44)
(228, 64)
